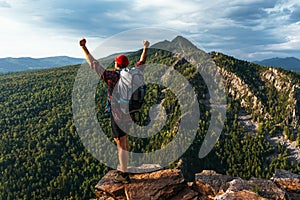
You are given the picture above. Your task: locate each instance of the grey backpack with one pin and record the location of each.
(130, 90)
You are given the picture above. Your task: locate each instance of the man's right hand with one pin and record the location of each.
(146, 43)
(82, 42)
(89, 58)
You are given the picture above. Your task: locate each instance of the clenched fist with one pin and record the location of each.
(82, 42)
(145, 43)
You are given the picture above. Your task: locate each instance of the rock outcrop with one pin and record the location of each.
(170, 184)
(288, 182)
(239, 90)
(286, 86)
(254, 105)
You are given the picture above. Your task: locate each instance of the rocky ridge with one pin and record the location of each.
(239, 90)
(272, 77)
(170, 184)
(285, 85)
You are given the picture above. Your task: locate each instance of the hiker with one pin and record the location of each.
(111, 78)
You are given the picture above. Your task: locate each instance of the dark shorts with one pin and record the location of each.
(116, 131)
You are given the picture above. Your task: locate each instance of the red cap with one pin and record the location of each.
(122, 60)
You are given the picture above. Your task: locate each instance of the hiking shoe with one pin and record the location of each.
(121, 177)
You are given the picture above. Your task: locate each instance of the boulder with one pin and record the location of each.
(267, 189)
(287, 180)
(154, 185)
(217, 182)
(239, 195)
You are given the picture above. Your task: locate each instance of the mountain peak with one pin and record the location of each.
(179, 42)
(181, 39)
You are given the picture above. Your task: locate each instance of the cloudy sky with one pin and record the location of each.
(246, 29)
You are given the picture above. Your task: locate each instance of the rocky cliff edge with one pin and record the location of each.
(170, 184)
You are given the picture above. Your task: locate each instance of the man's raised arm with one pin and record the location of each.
(141, 64)
(144, 53)
(94, 64)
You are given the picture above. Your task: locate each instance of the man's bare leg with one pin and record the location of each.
(122, 144)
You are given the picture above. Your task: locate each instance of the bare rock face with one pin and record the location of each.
(289, 182)
(267, 189)
(162, 184)
(227, 187)
(156, 185)
(240, 195)
(208, 185)
(203, 188)
(219, 183)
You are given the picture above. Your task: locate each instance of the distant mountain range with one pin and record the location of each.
(26, 63)
(289, 63)
(10, 64)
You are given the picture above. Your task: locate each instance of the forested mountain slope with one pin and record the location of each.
(41, 154)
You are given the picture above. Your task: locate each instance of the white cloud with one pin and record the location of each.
(22, 40)
(169, 13)
(4, 4)
(120, 15)
(290, 35)
(174, 6)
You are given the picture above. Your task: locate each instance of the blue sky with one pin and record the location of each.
(246, 29)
